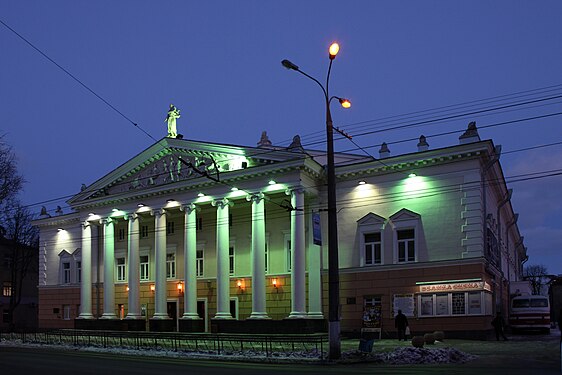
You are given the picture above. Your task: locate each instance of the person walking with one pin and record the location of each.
(498, 323)
(401, 322)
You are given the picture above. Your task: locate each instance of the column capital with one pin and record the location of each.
(295, 190)
(107, 221)
(131, 216)
(221, 203)
(189, 208)
(255, 197)
(159, 212)
(85, 224)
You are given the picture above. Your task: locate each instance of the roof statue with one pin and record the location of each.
(264, 140)
(173, 115)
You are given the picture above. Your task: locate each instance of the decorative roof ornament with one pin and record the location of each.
(384, 151)
(264, 140)
(422, 144)
(470, 135)
(173, 115)
(296, 144)
(44, 213)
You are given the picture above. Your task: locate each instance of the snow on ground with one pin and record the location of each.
(400, 356)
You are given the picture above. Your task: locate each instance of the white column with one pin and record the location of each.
(86, 282)
(134, 268)
(190, 263)
(298, 275)
(314, 277)
(223, 277)
(108, 269)
(160, 294)
(258, 257)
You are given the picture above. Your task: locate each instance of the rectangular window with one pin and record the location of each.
(406, 246)
(66, 312)
(230, 220)
(199, 223)
(144, 231)
(144, 267)
(170, 266)
(66, 273)
(288, 253)
(78, 271)
(121, 269)
(451, 304)
(7, 289)
(231, 260)
(474, 303)
(121, 234)
(372, 248)
(266, 258)
(426, 308)
(458, 304)
(199, 262)
(170, 228)
(442, 304)
(6, 316)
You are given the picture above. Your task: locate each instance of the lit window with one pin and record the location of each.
(170, 266)
(144, 267)
(121, 269)
(450, 304)
(406, 245)
(7, 289)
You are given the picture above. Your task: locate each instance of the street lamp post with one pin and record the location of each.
(333, 263)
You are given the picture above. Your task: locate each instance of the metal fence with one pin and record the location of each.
(207, 343)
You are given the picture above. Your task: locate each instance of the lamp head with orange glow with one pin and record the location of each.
(345, 102)
(334, 49)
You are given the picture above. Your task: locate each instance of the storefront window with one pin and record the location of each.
(449, 304)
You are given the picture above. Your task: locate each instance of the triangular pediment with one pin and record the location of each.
(371, 219)
(404, 214)
(171, 161)
(64, 253)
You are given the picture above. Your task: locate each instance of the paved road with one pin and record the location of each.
(54, 361)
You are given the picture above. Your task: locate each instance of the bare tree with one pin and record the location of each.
(10, 181)
(538, 276)
(22, 240)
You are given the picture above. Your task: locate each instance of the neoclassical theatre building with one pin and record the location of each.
(195, 236)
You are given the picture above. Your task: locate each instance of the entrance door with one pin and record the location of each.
(173, 312)
(202, 310)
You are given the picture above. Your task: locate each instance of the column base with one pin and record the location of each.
(85, 316)
(160, 316)
(107, 316)
(258, 315)
(192, 316)
(297, 315)
(223, 315)
(132, 316)
(315, 315)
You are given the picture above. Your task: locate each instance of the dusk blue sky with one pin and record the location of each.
(219, 63)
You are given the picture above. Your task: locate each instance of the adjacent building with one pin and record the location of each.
(196, 236)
